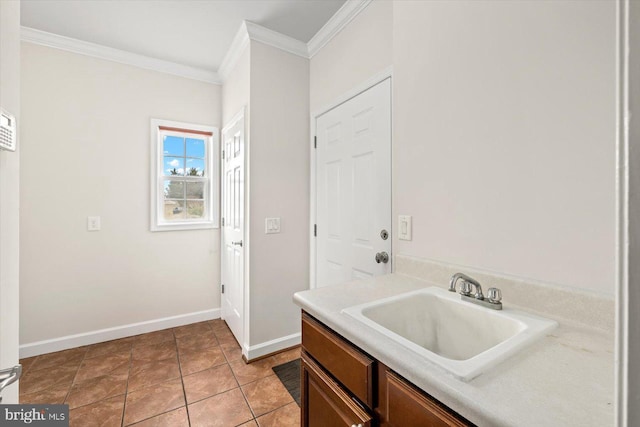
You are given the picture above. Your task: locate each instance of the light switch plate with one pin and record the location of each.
(404, 227)
(271, 225)
(93, 223)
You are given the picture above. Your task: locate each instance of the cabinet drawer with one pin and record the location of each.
(324, 403)
(347, 364)
(407, 407)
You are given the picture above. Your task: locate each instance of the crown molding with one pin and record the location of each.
(239, 43)
(69, 44)
(276, 39)
(349, 10)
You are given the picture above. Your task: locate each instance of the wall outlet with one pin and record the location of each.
(93, 223)
(404, 227)
(271, 225)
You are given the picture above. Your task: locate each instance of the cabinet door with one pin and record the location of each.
(324, 403)
(404, 406)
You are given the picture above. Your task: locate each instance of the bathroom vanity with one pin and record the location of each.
(342, 385)
(357, 376)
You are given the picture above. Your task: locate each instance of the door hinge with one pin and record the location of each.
(315, 230)
(222, 154)
(222, 288)
(315, 142)
(222, 220)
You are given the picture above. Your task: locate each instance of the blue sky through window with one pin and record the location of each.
(178, 151)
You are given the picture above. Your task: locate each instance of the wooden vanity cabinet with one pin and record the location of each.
(344, 387)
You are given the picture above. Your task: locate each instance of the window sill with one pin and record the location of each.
(184, 226)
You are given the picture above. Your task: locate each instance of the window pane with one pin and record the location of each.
(173, 189)
(195, 148)
(173, 166)
(195, 167)
(173, 146)
(195, 209)
(195, 190)
(174, 210)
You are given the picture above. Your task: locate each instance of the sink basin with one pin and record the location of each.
(463, 338)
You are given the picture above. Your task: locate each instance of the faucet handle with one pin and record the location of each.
(465, 288)
(494, 295)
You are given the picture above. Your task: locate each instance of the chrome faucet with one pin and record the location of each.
(494, 297)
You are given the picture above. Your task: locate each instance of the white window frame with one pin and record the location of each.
(212, 172)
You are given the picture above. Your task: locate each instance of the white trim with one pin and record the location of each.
(273, 38)
(212, 157)
(240, 115)
(239, 43)
(370, 82)
(624, 414)
(69, 44)
(278, 344)
(102, 335)
(349, 10)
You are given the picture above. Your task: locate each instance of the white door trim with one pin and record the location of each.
(627, 348)
(240, 115)
(387, 73)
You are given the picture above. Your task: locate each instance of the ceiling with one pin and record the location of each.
(189, 32)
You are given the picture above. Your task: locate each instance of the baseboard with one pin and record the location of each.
(257, 351)
(101, 335)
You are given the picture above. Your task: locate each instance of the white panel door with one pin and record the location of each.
(353, 188)
(233, 247)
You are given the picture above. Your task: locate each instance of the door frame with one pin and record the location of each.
(240, 115)
(387, 73)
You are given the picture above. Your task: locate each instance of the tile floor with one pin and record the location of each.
(192, 375)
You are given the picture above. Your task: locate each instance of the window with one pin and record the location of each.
(184, 177)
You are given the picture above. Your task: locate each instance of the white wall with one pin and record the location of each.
(85, 152)
(9, 192)
(362, 49)
(504, 136)
(279, 187)
(235, 91)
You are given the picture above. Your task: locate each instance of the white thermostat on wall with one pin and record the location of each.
(8, 131)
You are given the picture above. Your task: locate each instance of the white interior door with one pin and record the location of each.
(353, 188)
(233, 227)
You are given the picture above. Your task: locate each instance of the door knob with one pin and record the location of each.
(237, 243)
(382, 257)
(9, 376)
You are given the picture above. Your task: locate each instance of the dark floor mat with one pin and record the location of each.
(289, 375)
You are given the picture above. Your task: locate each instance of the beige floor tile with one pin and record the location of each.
(52, 395)
(286, 416)
(192, 329)
(266, 394)
(146, 373)
(197, 342)
(159, 351)
(27, 363)
(227, 409)
(37, 381)
(195, 361)
(61, 359)
(106, 413)
(176, 418)
(109, 364)
(286, 356)
(96, 389)
(155, 400)
(109, 347)
(153, 337)
(208, 383)
(249, 372)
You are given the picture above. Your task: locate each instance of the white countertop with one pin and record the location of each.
(565, 379)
